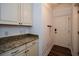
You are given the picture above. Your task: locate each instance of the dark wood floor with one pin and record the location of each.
(60, 51)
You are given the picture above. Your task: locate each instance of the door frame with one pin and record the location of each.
(74, 30)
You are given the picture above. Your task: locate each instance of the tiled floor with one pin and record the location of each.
(60, 51)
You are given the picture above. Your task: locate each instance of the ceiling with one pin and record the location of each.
(54, 5)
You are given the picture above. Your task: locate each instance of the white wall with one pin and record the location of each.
(47, 32)
(40, 21)
(6, 30)
(37, 24)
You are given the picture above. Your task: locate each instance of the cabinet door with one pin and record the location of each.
(33, 50)
(9, 13)
(26, 14)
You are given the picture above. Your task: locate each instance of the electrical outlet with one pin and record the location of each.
(6, 33)
(21, 32)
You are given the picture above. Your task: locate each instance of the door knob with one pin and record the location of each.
(55, 30)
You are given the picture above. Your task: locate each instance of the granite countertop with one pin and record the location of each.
(8, 43)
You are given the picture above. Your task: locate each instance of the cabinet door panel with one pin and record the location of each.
(26, 14)
(9, 13)
(33, 48)
(32, 51)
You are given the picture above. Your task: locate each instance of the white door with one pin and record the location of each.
(62, 31)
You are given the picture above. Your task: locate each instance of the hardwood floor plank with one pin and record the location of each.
(60, 51)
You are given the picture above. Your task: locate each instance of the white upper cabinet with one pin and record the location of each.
(26, 14)
(9, 13)
(16, 14)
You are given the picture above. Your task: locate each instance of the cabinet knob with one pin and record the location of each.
(26, 51)
(19, 23)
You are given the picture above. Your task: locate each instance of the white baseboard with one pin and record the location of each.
(49, 49)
